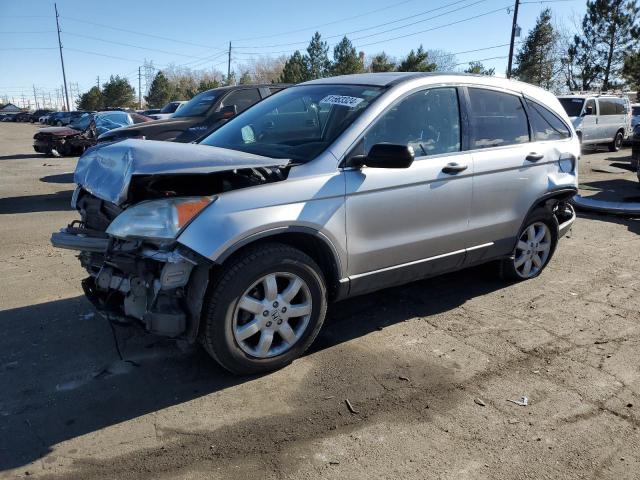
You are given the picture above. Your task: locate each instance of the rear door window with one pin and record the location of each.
(498, 119)
(545, 124)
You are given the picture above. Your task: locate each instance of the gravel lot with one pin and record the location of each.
(428, 367)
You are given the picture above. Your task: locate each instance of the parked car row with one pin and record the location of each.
(82, 132)
(322, 191)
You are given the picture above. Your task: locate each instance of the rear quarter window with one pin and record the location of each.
(545, 124)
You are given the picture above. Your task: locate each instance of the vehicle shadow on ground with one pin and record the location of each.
(46, 202)
(614, 190)
(58, 178)
(21, 156)
(632, 224)
(62, 377)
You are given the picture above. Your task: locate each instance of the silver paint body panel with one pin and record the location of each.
(376, 219)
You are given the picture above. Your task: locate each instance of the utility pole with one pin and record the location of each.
(24, 102)
(64, 75)
(35, 97)
(514, 26)
(229, 66)
(140, 88)
(98, 80)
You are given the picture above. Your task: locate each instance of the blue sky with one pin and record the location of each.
(197, 33)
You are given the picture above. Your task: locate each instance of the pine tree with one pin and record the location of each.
(160, 91)
(205, 85)
(609, 27)
(118, 92)
(417, 61)
(317, 59)
(478, 69)
(246, 78)
(91, 100)
(631, 69)
(581, 64)
(345, 59)
(382, 63)
(295, 69)
(536, 61)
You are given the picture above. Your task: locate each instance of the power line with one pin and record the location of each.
(129, 45)
(387, 23)
(143, 34)
(435, 28)
(28, 48)
(305, 29)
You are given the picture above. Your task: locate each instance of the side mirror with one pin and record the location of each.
(228, 111)
(588, 110)
(385, 155)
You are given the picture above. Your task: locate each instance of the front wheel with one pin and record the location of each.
(535, 246)
(264, 310)
(616, 144)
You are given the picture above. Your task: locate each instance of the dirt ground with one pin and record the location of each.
(428, 367)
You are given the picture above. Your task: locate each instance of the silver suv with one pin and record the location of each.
(326, 190)
(599, 119)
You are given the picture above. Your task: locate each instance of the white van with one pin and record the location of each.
(599, 118)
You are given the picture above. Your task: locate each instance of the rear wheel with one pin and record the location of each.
(535, 246)
(616, 144)
(264, 310)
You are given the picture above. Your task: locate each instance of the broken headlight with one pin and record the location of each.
(157, 219)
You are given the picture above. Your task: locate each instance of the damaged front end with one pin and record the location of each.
(158, 284)
(133, 206)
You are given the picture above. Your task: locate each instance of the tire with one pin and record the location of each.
(245, 277)
(616, 144)
(511, 268)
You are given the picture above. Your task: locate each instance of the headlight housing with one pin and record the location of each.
(157, 219)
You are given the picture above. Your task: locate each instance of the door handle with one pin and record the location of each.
(454, 167)
(534, 157)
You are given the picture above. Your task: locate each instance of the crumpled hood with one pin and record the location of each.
(58, 131)
(106, 169)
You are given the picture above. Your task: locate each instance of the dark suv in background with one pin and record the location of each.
(199, 116)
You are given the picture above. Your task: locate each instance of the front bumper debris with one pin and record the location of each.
(135, 281)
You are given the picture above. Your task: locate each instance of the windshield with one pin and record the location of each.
(297, 123)
(573, 106)
(198, 105)
(170, 107)
(635, 111)
(82, 122)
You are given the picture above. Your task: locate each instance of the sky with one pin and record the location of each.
(114, 37)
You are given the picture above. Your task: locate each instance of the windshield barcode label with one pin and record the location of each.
(342, 100)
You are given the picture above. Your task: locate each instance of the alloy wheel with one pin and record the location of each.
(532, 250)
(272, 315)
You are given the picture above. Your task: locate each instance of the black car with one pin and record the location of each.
(35, 116)
(200, 115)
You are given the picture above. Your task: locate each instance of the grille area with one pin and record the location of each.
(96, 214)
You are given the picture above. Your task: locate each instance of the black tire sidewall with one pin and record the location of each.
(616, 144)
(219, 324)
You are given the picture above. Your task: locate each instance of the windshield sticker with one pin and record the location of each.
(343, 100)
(577, 100)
